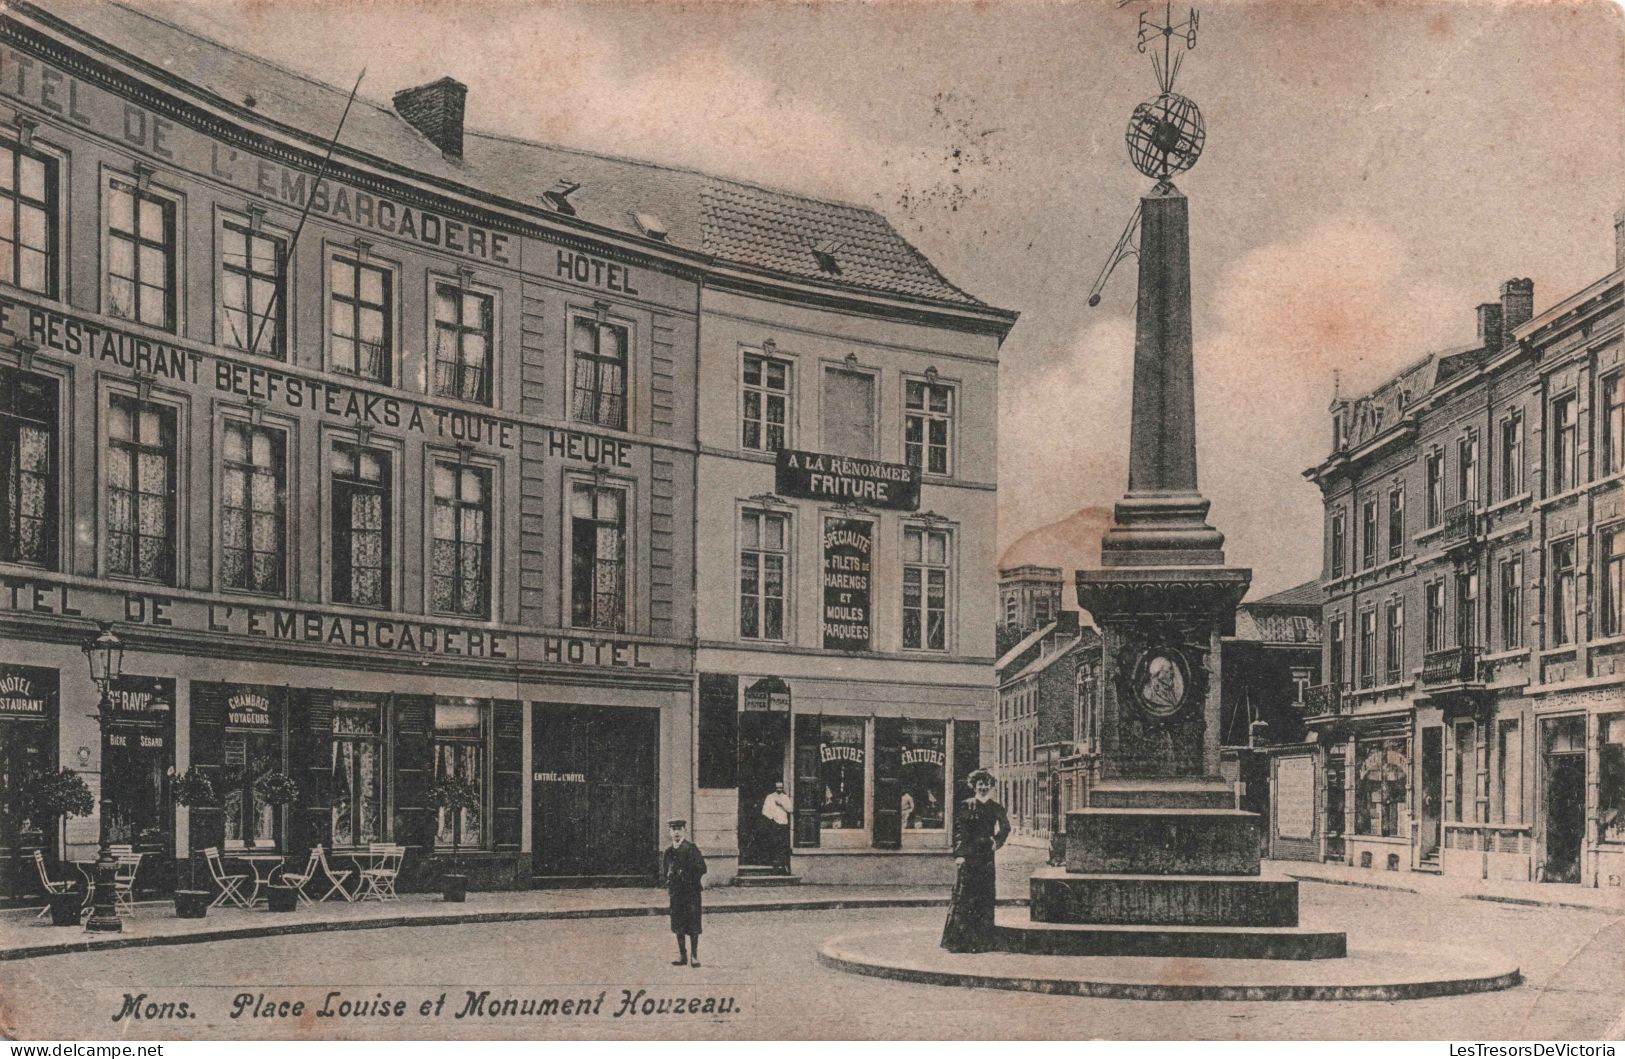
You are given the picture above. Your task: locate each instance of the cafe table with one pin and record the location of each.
(262, 864)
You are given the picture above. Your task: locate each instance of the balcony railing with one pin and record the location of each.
(1453, 665)
(1323, 700)
(1460, 524)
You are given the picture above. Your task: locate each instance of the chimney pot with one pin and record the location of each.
(1517, 304)
(436, 110)
(1489, 325)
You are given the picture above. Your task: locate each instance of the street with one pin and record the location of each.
(377, 984)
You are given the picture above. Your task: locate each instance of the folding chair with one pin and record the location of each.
(124, 873)
(378, 878)
(316, 870)
(51, 887)
(230, 885)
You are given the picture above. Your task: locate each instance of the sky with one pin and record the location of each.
(1372, 172)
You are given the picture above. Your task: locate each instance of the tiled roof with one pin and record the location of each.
(733, 221)
(1307, 594)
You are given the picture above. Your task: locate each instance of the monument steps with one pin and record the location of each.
(1019, 932)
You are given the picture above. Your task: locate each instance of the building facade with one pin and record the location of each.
(383, 466)
(1029, 599)
(1471, 717)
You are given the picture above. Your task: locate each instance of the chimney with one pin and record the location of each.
(1517, 304)
(1619, 238)
(436, 110)
(1489, 325)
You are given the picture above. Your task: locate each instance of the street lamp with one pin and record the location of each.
(105, 653)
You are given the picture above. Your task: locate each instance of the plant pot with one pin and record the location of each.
(282, 898)
(191, 904)
(454, 888)
(65, 908)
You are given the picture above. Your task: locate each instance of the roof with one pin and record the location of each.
(1027, 643)
(1308, 594)
(1048, 658)
(731, 220)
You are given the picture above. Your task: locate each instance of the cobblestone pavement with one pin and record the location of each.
(763, 965)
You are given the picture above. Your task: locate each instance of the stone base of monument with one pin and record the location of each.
(1364, 974)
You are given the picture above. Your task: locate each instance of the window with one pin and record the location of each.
(1612, 560)
(358, 814)
(597, 557)
(766, 408)
(599, 352)
(1613, 423)
(462, 344)
(253, 747)
(841, 771)
(1368, 534)
(459, 754)
(253, 271)
(1467, 470)
(1336, 793)
(460, 580)
(253, 549)
(928, 426)
(140, 256)
(1337, 533)
(1433, 598)
(924, 753)
(1565, 446)
(1395, 646)
(1368, 648)
(1467, 609)
(1334, 656)
(926, 562)
(849, 412)
(1396, 522)
(28, 219)
(1611, 778)
(1512, 456)
(361, 339)
(1435, 490)
(1466, 775)
(362, 515)
(764, 559)
(1511, 603)
(141, 490)
(28, 494)
(1562, 598)
(1509, 778)
(1381, 769)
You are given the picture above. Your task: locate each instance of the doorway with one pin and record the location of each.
(1432, 793)
(594, 795)
(764, 739)
(1565, 816)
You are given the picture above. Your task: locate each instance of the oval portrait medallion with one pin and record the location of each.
(1161, 681)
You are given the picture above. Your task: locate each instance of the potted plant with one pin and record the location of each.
(192, 789)
(48, 796)
(453, 796)
(279, 893)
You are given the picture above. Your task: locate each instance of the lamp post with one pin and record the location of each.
(105, 653)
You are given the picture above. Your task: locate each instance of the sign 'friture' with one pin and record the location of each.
(847, 480)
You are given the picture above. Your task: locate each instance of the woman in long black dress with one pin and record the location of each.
(980, 829)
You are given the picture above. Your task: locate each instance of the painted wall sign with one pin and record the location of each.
(27, 692)
(823, 476)
(768, 695)
(143, 699)
(248, 709)
(75, 336)
(302, 626)
(594, 272)
(588, 448)
(848, 544)
(25, 78)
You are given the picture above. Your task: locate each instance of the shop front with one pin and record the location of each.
(29, 700)
(138, 766)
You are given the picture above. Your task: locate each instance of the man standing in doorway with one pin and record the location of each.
(777, 808)
(682, 866)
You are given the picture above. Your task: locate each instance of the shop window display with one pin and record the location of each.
(841, 773)
(1379, 805)
(924, 755)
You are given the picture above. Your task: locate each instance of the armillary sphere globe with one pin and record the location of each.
(1165, 136)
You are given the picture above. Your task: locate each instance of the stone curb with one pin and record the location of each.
(832, 956)
(822, 904)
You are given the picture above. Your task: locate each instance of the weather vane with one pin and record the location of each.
(1166, 134)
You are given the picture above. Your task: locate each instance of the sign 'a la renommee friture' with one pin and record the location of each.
(847, 480)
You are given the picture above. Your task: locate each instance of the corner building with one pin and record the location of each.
(384, 472)
(1472, 717)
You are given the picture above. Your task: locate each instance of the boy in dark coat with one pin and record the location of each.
(682, 866)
